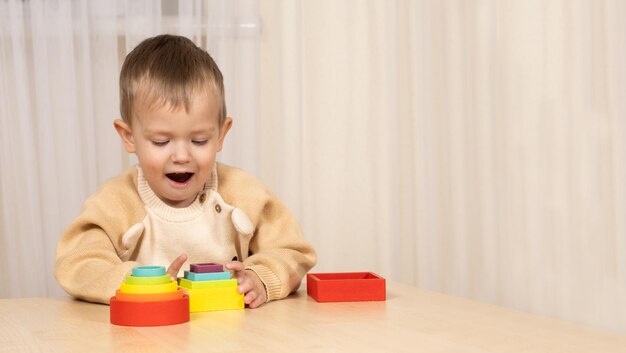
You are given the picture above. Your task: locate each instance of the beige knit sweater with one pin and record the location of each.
(124, 224)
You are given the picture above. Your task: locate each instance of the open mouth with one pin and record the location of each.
(179, 177)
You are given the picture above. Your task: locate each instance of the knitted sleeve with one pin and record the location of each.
(88, 264)
(280, 255)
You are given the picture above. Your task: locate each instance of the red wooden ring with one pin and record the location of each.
(159, 313)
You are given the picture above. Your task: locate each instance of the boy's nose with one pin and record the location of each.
(181, 154)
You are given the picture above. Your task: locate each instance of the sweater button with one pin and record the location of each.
(218, 208)
(202, 197)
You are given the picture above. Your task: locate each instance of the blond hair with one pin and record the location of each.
(169, 69)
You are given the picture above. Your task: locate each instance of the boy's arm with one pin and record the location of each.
(280, 254)
(87, 265)
(88, 260)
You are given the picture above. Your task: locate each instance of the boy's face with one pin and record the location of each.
(176, 149)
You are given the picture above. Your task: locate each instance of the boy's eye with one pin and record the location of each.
(199, 142)
(160, 143)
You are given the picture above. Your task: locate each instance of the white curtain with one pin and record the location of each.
(475, 148)
(59, 67)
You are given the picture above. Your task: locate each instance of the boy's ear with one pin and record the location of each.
(126, 135)
(228, 123)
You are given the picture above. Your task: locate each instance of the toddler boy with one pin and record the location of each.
(178, 204)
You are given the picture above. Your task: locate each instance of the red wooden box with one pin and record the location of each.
(345, 287)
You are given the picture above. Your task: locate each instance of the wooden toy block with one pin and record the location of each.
(148, 271)
(152, 313)
(212, 299)
(346, 287)
(172, 286)
(185, 283)
(130, 279)
(149, 297)
(211, 288)
(210, 276)
(206, 268)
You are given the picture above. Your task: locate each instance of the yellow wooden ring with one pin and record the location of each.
(150, 288)
(130, 279)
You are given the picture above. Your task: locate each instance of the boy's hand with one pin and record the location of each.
(249, 284)
(176, 265)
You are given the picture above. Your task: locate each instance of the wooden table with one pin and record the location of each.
(411, 320)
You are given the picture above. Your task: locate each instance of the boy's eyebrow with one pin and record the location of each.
(211, 128)
(157, 131)
(209, 131)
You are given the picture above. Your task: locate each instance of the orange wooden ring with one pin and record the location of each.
(148, 297)
(169, 312)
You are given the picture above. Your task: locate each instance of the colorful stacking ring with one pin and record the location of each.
(148, 280)
(148, 271)
(210, 276)
(210, 288)
(152, 313)
(185, 283)
(172, 286)
(150, 297)
(206, 267)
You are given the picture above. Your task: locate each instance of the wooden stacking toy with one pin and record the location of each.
(149, 297)
(211, 288)
(346, 287)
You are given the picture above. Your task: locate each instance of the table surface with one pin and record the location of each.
(410, 320)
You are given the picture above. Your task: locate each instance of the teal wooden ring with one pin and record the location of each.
(148, 271)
